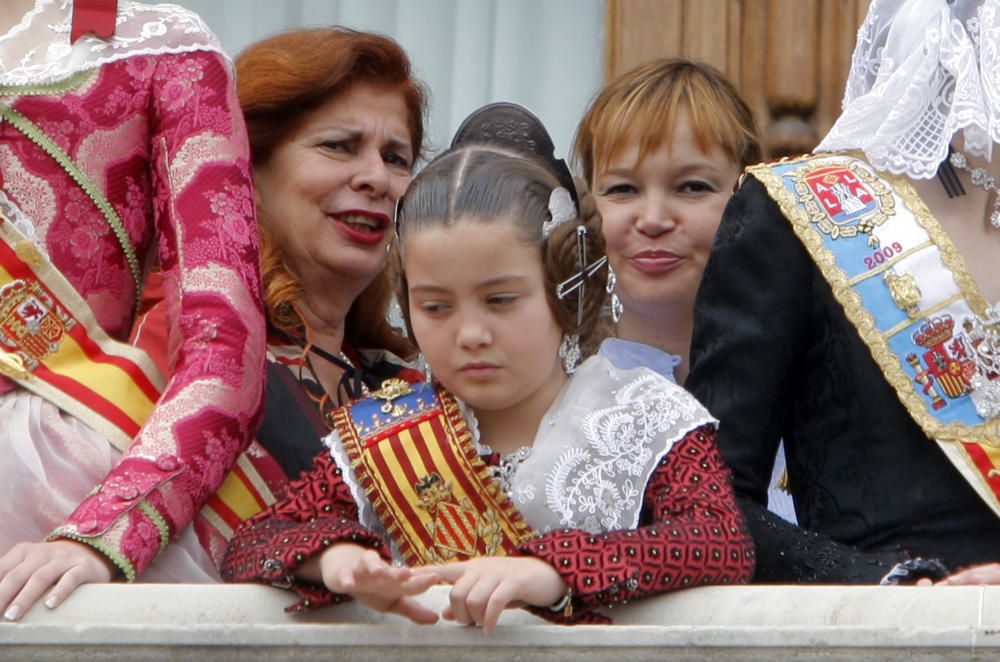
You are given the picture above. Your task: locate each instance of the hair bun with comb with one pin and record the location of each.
(510, 125)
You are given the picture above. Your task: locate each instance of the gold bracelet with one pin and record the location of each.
(565, 604)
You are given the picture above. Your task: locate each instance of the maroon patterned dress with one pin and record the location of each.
(690, 533)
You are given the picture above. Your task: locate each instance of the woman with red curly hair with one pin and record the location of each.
(335, 121)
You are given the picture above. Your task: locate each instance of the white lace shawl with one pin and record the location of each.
(594, 452)
(37, 51)
(922, 70)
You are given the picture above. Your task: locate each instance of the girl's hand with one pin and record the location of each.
(988, 573)
(30, 569)
(482, 588)
(361, 572)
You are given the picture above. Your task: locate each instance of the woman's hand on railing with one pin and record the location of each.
(28, 570)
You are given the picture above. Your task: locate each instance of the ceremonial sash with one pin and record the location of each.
(907, 290)
(290, 431)
(247, 489)
(52, 345)
(413, 455)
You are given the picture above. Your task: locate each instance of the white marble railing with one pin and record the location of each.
(161, 621)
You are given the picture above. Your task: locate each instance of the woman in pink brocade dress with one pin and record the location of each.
(148, 116)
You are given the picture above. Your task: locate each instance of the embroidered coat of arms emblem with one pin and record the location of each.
(31, 323)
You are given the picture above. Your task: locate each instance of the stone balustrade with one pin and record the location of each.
(245, 623)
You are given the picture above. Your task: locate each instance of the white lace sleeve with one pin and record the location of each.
(598, 445)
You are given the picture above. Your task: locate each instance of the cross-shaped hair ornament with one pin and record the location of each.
(577, 282)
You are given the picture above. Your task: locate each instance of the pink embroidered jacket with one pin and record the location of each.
(163, 138)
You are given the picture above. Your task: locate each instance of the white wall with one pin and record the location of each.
(544, 54)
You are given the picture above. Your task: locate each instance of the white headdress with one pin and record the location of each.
(922, 71)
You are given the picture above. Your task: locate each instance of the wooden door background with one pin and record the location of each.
(789, 58)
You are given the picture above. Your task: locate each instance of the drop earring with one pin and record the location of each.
(569, 352)
(616, 304)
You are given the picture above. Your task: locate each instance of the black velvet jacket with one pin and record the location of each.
(774, 356)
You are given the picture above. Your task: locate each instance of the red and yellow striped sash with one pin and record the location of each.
(247, 489)
(52, 345)
(413, 455)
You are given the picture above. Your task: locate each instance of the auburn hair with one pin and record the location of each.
(281, 79)
(643, 105)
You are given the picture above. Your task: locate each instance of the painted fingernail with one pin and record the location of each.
(51, 602)
(12, 613)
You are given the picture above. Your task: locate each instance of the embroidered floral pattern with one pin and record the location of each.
(125, 126)
(594, 486)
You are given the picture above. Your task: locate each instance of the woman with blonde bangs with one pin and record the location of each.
(662, 147)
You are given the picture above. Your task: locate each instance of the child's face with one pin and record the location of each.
(479, 313)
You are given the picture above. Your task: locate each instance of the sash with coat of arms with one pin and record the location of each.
(906, 289)
(52, 345)
(50, 341)
(412, 453)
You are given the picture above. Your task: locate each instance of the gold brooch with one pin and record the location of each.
(392, 389)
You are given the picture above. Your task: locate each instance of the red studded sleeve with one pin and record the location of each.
(691, 534)
(317, 511)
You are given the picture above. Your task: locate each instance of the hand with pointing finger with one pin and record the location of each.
(482, 588)
(361, 573)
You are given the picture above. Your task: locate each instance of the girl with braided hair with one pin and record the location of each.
(517, 477)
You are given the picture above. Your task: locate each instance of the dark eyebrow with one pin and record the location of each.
(698, 166)
(617, 172)
(400, 145)
(427, 288)
(349, 133)
(354, 135)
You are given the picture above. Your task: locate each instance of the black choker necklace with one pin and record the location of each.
(355, 382)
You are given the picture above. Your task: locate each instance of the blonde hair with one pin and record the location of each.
(643, 105)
